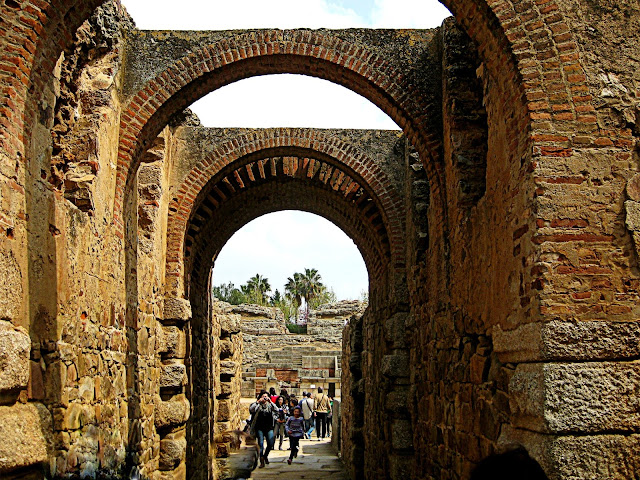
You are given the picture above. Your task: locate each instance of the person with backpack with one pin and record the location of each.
(263, 419)
(272, 394)
(330, 417)
(308, 414)
(321, 410)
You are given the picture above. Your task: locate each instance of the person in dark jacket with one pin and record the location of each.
(263, 420)
(283, 413)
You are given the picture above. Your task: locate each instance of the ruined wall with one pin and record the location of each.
(352, 406)
(69, 299)
(228, 393)
(539, 253)
(275, 357)
(521, 309)
(328, 320)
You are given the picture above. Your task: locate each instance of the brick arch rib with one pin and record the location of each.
(314, 144)
(503, 30)
(242, 209)
(267, 52)
(35, 36)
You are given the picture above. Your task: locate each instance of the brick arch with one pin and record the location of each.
(268, 52)
(502, 38)
(316, 200)
(527, 43)
(503, 31)
(35, 36)
(235, 213)
(353, 170)
(531, 52)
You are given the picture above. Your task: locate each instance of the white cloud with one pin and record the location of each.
(407, 14)
(205, 15)
(279, 244)
(289, 101)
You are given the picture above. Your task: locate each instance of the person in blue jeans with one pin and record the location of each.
(295, 430)
(306, 406)
(263, 419)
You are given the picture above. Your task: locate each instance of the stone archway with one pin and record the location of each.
(526, 285)
(229, 177)
(243, 159)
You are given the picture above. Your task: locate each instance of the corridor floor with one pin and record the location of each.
(316, 460)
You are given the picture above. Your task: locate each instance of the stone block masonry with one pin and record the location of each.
(499, 227)
(273, 357)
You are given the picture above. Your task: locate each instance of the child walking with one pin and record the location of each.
(295, 429)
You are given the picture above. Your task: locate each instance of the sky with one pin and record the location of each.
(288, 241)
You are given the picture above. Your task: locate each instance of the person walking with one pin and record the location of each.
(295, 429)
(321, 410)
(264, 414)
(283, 411)
(330, 417)
(307, 413)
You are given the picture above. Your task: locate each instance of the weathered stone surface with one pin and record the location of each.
(15, 346)
(172, 375)
(172, 412)
(633, 215)
(401, 434)
(172, 452)
(588, 457)
(230, 323)
(395, 365)
(633, 188)
(174, 342)
(25, 436)
(10, 286)
(179, 473)
(225, 410)
(226, 349)
(177, 310)
(256, 319)
(73, 417)
(343, 309)
(576, 397)
(228, 368)
(568, 341)
(150, 174)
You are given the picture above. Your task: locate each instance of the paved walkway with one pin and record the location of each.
(316, 460)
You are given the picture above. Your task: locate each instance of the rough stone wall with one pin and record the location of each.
(228, 391)
(352, 406)
(69, 300)
(275, 357)
(328, 320)
(518, 299)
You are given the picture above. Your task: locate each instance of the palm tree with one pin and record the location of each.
(294, 288)
(313, 286)
(256, 288)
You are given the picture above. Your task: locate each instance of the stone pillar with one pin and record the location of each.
(396, 368)
(573, 396)
(353, 398)
(172, 406)
(228, 393)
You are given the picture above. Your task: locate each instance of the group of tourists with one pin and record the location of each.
(276, 417)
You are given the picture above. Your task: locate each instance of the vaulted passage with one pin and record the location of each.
(499, 228)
